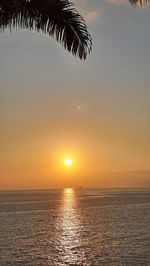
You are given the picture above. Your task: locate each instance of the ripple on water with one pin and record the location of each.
(86, 227)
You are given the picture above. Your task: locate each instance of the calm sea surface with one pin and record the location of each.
(75, 227)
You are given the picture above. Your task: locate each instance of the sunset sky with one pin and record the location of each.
(55, 107)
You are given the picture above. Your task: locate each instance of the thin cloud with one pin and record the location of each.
(92, 16)
(117, 2)
(89, 12)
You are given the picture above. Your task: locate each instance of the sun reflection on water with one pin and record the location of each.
(69, 199)
(70, 238)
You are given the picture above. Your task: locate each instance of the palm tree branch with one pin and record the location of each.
(140, 2)
(58, 18)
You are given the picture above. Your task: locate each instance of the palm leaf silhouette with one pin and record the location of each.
(58, 18)
(141, 2)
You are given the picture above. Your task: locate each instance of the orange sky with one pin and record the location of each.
(42, 87)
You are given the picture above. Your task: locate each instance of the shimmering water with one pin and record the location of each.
(75, 227)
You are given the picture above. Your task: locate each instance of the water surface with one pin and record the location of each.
(75, 227)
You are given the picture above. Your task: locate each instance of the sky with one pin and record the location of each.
(54, 106)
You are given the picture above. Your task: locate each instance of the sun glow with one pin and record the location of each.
(68, 162)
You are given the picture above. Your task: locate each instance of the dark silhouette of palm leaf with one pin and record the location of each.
(141, 2)
(58, 18)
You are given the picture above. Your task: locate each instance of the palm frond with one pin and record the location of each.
(139, 2)
(58, 18)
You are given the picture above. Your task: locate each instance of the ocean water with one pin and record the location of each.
(75, 227)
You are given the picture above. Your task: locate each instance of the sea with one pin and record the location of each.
(75, 227)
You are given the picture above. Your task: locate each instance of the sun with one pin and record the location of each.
(68, 162)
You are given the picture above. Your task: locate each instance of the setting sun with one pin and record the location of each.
(68, 162)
